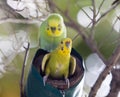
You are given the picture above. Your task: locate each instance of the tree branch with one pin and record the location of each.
(115, 83)
(14, 20)
(86, 14)
(89, 41)
(104, 39)
(91, 44)
(109, 10)
(9, 10)
(100, 6)
(111, 62)
(93, 20)
(23, 70)
(11, 15)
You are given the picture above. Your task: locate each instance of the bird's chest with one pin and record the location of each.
(59, 66)
(60, 63)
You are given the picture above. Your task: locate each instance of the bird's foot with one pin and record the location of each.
(45, 79)
(67, 82)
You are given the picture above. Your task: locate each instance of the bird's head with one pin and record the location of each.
(65, 46)
(54, 25)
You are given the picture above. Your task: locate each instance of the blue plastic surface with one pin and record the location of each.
(35, 88)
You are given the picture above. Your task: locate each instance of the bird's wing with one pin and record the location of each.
(45, 58)
(72, 65)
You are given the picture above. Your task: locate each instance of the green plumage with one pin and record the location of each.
(52, 30)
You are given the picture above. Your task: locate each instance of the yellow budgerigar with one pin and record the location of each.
(59, 63)
(52, 30)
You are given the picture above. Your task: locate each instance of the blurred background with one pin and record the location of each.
(98, 20)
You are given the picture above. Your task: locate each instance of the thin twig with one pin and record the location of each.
(8, 10)
(109, 10)
(94, 9)
(104, 39)
(23, 70)
(100, 7)
(111, 62)
(13, 16)
(84, 30)
(91, 44)
(86, 14)
(24, 21)
(115, 1)
(93, 20)
(75, 36)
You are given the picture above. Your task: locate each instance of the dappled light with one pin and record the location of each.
(93, 26)
(85, 15)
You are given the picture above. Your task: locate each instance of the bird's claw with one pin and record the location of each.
(67, 82)
(45, 79)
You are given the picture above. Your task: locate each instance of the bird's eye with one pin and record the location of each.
(59, 29)
(62, 48)
(47, 28)
(61, 42)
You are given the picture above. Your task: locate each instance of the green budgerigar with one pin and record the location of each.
(59, 63)
(52, 30)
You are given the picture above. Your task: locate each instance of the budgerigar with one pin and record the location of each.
(52, 30)
(59, 63)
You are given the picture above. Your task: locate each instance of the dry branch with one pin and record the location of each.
(111, 62)
(23, 21)
(23, 70)
(91, 43)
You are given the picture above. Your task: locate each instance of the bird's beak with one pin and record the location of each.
(67, 44)
(53, 29)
